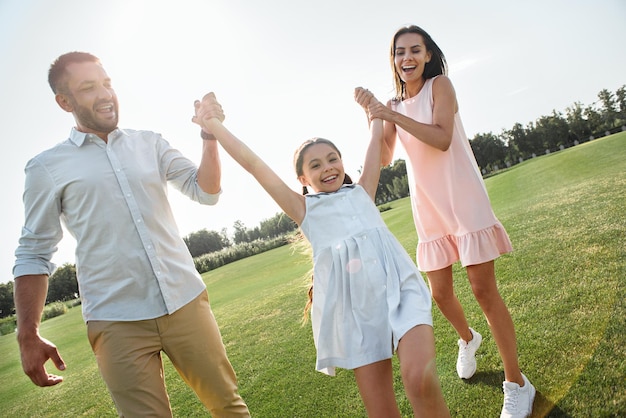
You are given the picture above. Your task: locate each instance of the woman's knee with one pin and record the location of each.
(441, 284)
(483, 282)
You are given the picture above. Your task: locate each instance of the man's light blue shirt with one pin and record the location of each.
(131, 262)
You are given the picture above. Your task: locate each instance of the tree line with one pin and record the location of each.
(552, 132)
(493, 152)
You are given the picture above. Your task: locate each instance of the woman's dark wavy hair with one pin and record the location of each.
(298, 158)
(435, 67)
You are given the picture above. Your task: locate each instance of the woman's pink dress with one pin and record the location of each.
(451, 209)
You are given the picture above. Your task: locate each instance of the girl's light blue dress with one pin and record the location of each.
(367, 291)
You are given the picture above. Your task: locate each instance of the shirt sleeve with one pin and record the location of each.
(182, 173)
(42, 230)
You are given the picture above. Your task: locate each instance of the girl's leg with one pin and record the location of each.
(442, 289)
(375, 382)
(416, 352)
(483, 281)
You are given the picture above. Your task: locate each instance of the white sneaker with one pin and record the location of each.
(518, 401)
(466, 362)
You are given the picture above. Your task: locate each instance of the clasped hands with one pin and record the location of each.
(207, 109)
(368, 102)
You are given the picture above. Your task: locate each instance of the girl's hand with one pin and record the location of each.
(370, 104)
(207, 109)
(363, 97)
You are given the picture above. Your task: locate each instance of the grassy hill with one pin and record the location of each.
(565, 285)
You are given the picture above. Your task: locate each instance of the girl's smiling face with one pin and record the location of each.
(322, 168)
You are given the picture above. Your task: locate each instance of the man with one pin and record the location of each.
(141, 294)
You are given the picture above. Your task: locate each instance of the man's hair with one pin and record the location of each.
(58, 68)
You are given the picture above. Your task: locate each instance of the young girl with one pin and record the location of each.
(451, 208)
(368, 297)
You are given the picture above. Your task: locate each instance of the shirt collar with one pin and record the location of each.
(343, 186)
(78, 137)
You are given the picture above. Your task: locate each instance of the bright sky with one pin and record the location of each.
(284, 71)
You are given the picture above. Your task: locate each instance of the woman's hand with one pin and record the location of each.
(370, 104)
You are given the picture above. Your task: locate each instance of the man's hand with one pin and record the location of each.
(35, 351)
(207, 109)
(30, 295)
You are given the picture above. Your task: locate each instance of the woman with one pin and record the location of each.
(451, 208)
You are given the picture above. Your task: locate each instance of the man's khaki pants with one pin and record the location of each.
(129, 359)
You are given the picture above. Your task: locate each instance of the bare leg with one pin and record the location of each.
(442, 289)
(483, 281)
(375, 382)
(416, 352)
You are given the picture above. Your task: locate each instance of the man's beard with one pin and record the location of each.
(87, 119)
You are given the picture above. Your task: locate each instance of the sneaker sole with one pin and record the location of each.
(533, 392)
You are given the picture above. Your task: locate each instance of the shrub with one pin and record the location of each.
(8, 325)
(53, 309)
(211, 261)
(72, 303)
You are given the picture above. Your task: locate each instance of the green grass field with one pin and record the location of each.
(565, 285)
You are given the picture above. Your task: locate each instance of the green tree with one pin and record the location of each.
(203, 242)
(578, 126)
(225, 239)
(277, 225)
(620, 96)
(253, 234)
(399, 187)
(551, 131)
(62, 285)
(386, 190)
(7, 306)
(609, 109)
(594, 119)
(241, 233)
(489, 151)
(520, 139)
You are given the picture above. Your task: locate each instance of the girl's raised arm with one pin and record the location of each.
(389, 138)
(371, 167)
(292, 203)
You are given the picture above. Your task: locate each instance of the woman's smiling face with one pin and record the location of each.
(410, 57)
